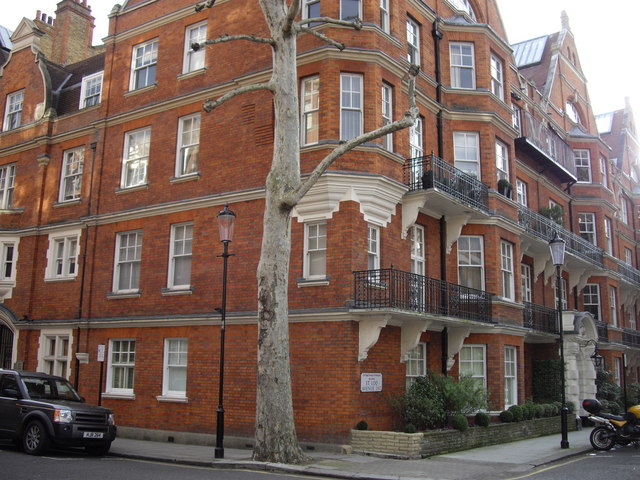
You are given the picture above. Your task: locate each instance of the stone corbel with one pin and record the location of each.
(411, 331)
(454, 227)
(455, 336)
(369, 332)
(578, 278)
(411, 206)
(540, 264)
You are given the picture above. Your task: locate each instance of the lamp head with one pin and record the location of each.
(226, 222)
(557, 247)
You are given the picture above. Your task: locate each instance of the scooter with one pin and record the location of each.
(612, 429)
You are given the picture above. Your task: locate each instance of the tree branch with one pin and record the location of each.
(211, 104)
(230, 38)
(208, 4)
(322, 36)
(407, 121)
(357, 23)
(294, 8)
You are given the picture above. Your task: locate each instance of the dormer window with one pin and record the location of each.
(463, 6)
(572, 112)
(91, 90)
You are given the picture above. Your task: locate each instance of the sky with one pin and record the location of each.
(607, 38)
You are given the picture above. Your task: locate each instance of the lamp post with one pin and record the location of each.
(226, 221)
(557, 246)
(596, 358)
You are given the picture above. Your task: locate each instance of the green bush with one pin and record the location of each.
(506, 416)
(481, 419)
(546, 380)
(539, 411)
(517, 412)
(410, 428)
(362, 425)
(459, 422)
(528, 410)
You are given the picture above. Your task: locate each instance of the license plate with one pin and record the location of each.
(92, 435)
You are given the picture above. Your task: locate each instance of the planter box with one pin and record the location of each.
(434, 442)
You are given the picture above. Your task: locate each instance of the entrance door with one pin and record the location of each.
(6, 345)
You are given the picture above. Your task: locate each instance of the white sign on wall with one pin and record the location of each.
(371, 382)
(101, 350)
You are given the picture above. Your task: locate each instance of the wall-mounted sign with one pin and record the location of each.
(371, 382)
(101, 349)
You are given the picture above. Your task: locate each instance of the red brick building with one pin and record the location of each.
(424, 250)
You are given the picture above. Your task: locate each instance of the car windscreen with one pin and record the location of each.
(50, 389)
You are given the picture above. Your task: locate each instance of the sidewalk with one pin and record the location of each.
(492, 462)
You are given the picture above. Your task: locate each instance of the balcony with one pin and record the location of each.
(540, 318)
(628, 272)
(545, 229)
(547, 148)
(603, 331)
(396, 289)
(433, 172)
(631, 338)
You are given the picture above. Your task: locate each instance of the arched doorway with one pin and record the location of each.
(7, 337)
(580, 372)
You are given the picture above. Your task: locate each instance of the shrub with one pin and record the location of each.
(362, 425)
(462, 396)
(422, 405)
(459, 422)
(481, 419)
(529, 409)
(506, 416)
(546, 380)
(517, 412)
(410, 428)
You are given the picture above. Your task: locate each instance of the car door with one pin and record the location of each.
(9, 404)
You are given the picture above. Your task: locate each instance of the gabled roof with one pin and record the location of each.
(68, 98)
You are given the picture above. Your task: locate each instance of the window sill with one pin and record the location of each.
(314, 282)
(118, 296)
(12, 211)
(171, 399)
(167, 292)
(194, 73)
(140, 90)
(135, 188)
(59, 279)
(66, 203)
(185, 178)
(119, 396)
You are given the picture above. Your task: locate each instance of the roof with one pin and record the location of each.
(5, 37)
(604, 122)
(529, 52)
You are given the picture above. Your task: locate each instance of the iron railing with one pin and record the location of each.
(603, 331)
(631, 338)
(391, 288)
(541, 318)
(545, 229)
(628, 272)
(547, 141)
(433, 172)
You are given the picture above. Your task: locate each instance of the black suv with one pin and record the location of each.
(38, 410)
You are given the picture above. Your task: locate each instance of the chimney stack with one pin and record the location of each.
(72, 33)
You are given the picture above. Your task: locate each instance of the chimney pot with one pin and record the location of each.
(38, 13)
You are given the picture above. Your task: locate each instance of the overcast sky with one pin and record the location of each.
(607, 38)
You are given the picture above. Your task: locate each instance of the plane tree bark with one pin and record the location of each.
(275, 433)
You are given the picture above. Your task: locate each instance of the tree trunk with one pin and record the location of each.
(275, 437)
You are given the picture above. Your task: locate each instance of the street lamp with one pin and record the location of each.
(596, 357)
(226, 221)
(557, 246)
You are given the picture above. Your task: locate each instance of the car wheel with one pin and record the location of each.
(35, 439)
(98, 450)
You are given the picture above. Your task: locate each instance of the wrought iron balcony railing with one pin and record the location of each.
(433, 172)
(541, 318)
(391, 288)
(545, 229)
(628, 272)
(603, 331)
(549, 143)
(631, 338)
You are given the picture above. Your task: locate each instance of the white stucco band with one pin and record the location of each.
(377, 196)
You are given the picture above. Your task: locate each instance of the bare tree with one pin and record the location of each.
(275, 434)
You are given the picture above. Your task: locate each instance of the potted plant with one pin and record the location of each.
(505, 188)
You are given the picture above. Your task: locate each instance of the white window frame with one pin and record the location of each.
(373, 247)
(71, 175)
(525, 281)
(176, 357)
(506, 270)
(413, 41)
(613, 306)
(351, 96)
(307, 6)
(463, 6)
(624, 210)
(385, 17)
(58, 361)
(617, 370)
(521, 193)
(13, 110)
(194, 60)
(459, 62)
(343, 13)
(416, 364)
(628, 256)
(9, 259)
(387, 114)
(467, 251)
(502, 160)
(583, 164)
(188, 145)
(604, 172)
(135, 157)
(91, 90)
(466, 152)
(63, 254)
(315, 250)
(591, 292)
(144, 61)
(121, 360)
(587, 227)
(510, 376)
(180, 249)
(516, 118)
(465, 363)
(130, 256)
(608, 235)
(418, 261)
(497, 76)
(310, 109)
(7, 185)
(416, 152)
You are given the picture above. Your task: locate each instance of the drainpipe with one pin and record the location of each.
(437, 36)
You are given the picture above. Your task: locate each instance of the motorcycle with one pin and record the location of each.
(612, 429)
